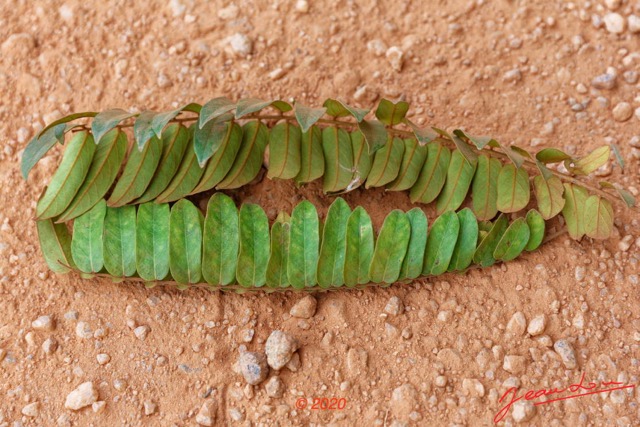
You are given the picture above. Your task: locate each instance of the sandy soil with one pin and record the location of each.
(517, 70)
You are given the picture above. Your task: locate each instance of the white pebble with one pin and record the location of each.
(274, 387)
(537, 325)
(279, 348)
(141, 332)
(395, 57)
(305, 308)
(103, 358)
(98, 407)
(31, 410)
(206, 414)
(567, 353)
(149, 407)
(523, 411)
(634, 23)
(394, 306)
(50, 345)
(514, 75)
(84, 395)
(43, 323)
(302, 6)
(614, 23)
(517, 324)
(622, 112)
(240, 44)
(83, 330)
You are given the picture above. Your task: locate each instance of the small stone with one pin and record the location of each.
(253, 367)
(240, 44)
(472, 387)
(149, 407)
(630, 77)
(274, 387)
(98, 407)
(103, 358)
(517, 324)
(513, 76)
(612, 4)
(141, 332)
(614, 23)
(43, 323)
(19, 44)
(206, 414)
(377, 47)
(618, 397)
(440, 381)
(604, 81)
(120, 385)
(50, 345)
(294, 364)
(394, 306)
(537, 325)
(279, 348)
(566, 352)
(634, 24)
(164, 81)
(523, 411)
(3, 354)
(236, 415)
(277, 74)
(31, 410)
(357, 362)
(622, 112)
(229, 12)
(302, 6)
(71, 315)
(84, 395)
(403, 401)
(395, 57)
(580, 273)
(305, 308)
(83, 330)
(514, 364)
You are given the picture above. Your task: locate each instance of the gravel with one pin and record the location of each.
(98, 407)
(517, 324)
(43, 323)
(274, 387)
(31, 410)
(149, 407)
(403, 400)
(514, 364)
(83, 330)
(240, 44)
(206, 414)
(634, 24)
(279, 348)
(537, 325)
(523, 411)
(141, 332)
(305, 308)
(614, 23)
(566, 352)
(50, 345)
(395, 56)
(605, 81)
(85, 395)
(394, 306)
(103, 358)
(253, 367)
(622, 112)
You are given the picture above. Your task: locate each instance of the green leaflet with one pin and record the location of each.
(284, 151)
(221, 162)
(304, 243)
(462, 256)
(68, 178)
(106, 120)
(248, 161)
(432, 175)
(208, 139)
(138, 173)
(484, 190)
(549, 195)
(152, 241)
(86, 241)
(537, 226)
(142, 131)
(277, 267)
(185, 179)
(573, 210)
(513, 189)
(391, 248)
(338, 156)
(457, 184)
(412, 161)
(215, 108)
(120, 241)
(362, 160)
(311, 156)
(102, 172)
(513, 241)
(414, 258)
(375, 134)
(359, 248)
(552, 155)
(221, 241)
(598, 217)
(338, 108)
(441, 244)
(40, 145)
(175, 140)
(55, 244)
(185, 242)
(391, 113)
(591, 162)
(333, 248)
(254, 246)
(306, 116)
(160, 120)
(484, 253)
(386, 163)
